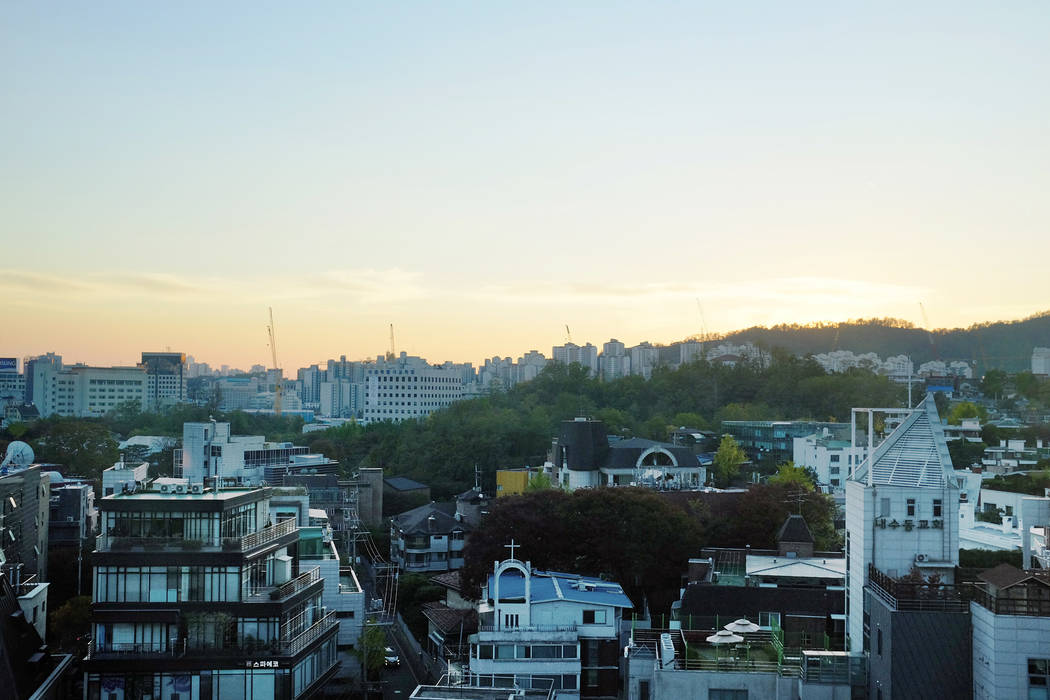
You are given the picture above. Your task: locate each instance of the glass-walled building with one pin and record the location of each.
(201, 596)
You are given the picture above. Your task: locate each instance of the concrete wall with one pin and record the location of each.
(673, 685)
(1002, 645)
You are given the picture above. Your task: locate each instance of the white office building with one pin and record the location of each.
(410, 388)
(81, 391)
(209, 451)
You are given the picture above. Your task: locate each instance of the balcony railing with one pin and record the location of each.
(110, 542)
(284, 590)
(1001, 605)
(528, 628)
(299, 583)
(180, 647)
(265, 536)
(307, 636)
(925, 597)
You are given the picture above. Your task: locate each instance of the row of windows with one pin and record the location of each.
(525, 651)
(171, 584)
(566, 682)
(110, 382)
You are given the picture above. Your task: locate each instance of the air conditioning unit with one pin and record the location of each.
(922, 557)
(180, 488)
(197, 488)
(164, 488)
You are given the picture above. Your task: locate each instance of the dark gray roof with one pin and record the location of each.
(582, 445)
(403, 483)
(794, 529)
(624, 454)
(417, 520)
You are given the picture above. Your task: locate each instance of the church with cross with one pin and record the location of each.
(547, 630)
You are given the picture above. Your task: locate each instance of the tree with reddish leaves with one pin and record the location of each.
(631, 535)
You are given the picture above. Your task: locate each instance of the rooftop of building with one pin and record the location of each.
(418, 520)
(915, 454)
(403, 483)
(796, 567)
(795, 530)
(207, 495)
(550, 586)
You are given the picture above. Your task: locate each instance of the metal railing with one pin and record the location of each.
(265, 536)
(299, 583)
(921, 597)
(1002, 605)
(528, 628)
(110, 542)
(303, 639)
(177, 647)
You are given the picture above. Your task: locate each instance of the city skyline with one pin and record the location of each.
(482, 176)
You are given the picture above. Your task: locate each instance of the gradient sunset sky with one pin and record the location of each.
(482, 174)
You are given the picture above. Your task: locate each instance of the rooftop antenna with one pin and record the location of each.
(477, 477)
(798, 498)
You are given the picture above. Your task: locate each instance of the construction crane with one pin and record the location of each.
(390, 354)
(272, 331)
(929, 332)
(703, 321)
(568, 335)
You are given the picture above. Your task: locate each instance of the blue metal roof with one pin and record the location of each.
(550, 586)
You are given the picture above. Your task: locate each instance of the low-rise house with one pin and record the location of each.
(544, 628)
(451, 621)
(431, 538)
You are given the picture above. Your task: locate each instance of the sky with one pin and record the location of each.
(482, 175)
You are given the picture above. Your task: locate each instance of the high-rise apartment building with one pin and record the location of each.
(166, 374)
(200, 595)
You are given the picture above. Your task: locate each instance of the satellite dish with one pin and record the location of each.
(19, 454)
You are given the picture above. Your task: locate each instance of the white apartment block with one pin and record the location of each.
(643, 357)
(586, 355)
(410, 388)
(829, 458)
(614, 361)
(1041, 361)
(341, 398)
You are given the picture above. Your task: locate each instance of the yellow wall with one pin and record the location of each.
(511, 482)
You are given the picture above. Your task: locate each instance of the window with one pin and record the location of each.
(594, 617)
(591, 678)
(911, 507)
(768, 619)
(1039, 678)
(726, 694)
(936, 507)
(643, 690)
(510, 620)
(884, 508)
(834, 459)
(878, 642)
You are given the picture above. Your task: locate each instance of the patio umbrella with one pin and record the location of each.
(742, 626)
(724, 637)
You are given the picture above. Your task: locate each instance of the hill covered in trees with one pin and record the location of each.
(514, 428)
(1005, 345)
